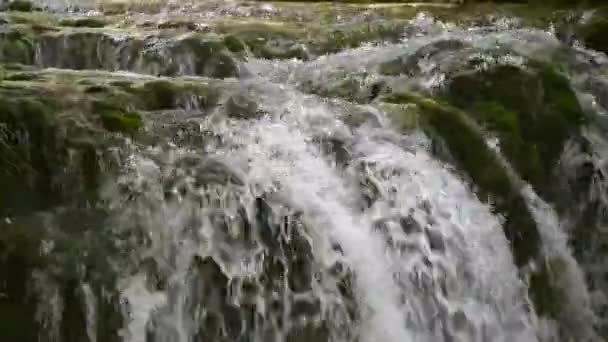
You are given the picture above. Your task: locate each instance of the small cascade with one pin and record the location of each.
(188, 172)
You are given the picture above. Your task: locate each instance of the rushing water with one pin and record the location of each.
(298, 225)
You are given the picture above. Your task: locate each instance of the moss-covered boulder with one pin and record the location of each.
(465, 141)
(16, 46)
(410, 64)
(126, 122)
(265, 40)
(83, 48)
(467, 146)
(21, 6)
(57, 134)
(202, 56)
(532, 109)
(27, 154)
(593, 33)
(83, 22)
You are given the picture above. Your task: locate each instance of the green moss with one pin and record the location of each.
(353, 36)
(124, 122)
(95, 89)
(158, 95)
(107, 103)
(533, 113)
(21, 6)
(265, 40)
(21, 76)
(594, 34)
(25, 163)
(405, 116)
(548, 298)
(16, 47)
(234, 44)
(83, 22)
(126, 85)
(468, 147)
(178, 25)
(211, 57)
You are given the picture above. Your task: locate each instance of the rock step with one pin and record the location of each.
(175, 46)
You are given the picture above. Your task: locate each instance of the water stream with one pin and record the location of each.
(297, 225)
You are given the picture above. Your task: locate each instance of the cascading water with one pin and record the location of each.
(305, 218)
(429, 261)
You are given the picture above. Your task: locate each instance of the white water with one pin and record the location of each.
(467, 289)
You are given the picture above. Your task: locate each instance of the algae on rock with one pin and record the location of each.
(467, 146)
(533, 110)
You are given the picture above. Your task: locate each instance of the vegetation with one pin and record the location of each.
(125, 122)
(594, 34)
(83, 22)
(21, 6)
(533, 112)
(16, 47)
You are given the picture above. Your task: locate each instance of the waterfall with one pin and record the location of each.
(282, 199)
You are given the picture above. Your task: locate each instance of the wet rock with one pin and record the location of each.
(593, 34)
(370, 192)
(21, 6)
(336, 148)
(159, 95)
(242, 106)
(213, 171)
(533, 110)
(83, 22)
(18, 258)
(305, 308)
(269, 41)
(487, 173)
(459, 320)
(16, 47)
(82, 49)
(435, 240)
(360, 115)
(410, 64)
(125, 122)
(409, 225)
(309, 332)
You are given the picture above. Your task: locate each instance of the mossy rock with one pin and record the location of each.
(21, 76)
(19, 255)
(594, 34)
(84, 22)
(157, 95)
(532, 110)
(543, 280)
(334, 40)
(468, 148)
(21, 6)
(410, 64)
(211, 57)
(16, 47)
(234, 44)
(25, 164)
(466, 144)
(265, 40)
(96, 89)
(123, 122)
(405, 116)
